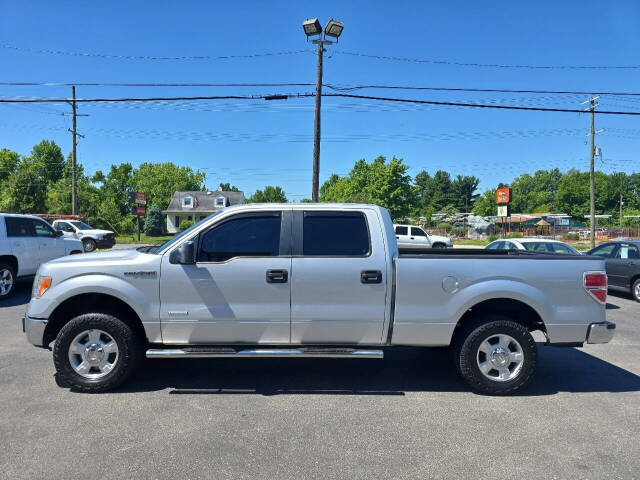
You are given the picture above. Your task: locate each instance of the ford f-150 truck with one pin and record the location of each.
(311, 280)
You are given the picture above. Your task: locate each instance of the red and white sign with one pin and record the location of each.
(503, 195)
(138, 198)
(141, 211)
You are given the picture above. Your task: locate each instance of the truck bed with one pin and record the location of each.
(484, 253)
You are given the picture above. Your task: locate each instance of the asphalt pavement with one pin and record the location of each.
(407, 416)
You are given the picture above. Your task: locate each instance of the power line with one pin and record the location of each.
(149, 57)
(307, 95)
(476, 105)
(336, 87)
(489, 65)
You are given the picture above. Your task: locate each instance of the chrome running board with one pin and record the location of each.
(309, 352)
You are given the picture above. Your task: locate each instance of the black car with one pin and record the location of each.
(622, 260)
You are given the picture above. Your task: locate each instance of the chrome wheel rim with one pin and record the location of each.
(636, 291)
(93, 354)
(88, 246)
(6, 282)
(500, 358)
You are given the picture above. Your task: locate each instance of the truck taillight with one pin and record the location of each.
(596, 284)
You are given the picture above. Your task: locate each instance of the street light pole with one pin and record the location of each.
(312, 28)
(316, 127)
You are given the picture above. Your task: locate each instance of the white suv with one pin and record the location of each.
(410, 236)
(25, 243)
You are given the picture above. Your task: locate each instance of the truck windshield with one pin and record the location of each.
(81, 225)
(161, 248)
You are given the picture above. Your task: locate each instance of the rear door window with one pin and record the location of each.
(402, 230)
(335, 234)
(627, 251)
(496, 245)
(19, 227)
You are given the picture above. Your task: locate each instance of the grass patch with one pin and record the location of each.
(471, 242)
(143, 239)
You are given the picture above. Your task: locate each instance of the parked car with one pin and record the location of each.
(622, 263)
(410, 236)
(311, 280)
(90, 237)
(540, 245)
(25, 243)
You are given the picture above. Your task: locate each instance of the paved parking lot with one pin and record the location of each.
(407, 416)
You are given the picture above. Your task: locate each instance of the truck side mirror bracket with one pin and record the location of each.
(185, 254)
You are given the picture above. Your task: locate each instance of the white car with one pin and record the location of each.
(90, 237)
(539, 245)
(25, 243)
(410, 236)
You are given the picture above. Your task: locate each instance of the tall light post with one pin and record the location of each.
(313, 28)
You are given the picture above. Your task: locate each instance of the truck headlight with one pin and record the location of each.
(40, 285)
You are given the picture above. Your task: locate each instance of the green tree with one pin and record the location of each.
(25, 190)
(160, 180)
(268, 195)
(8, 163)
(485, 204)
(48, 157)
(59, 195)
(154, 223)
(380, 182)
(227, 187)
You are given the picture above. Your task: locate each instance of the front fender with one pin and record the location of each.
(136, 296)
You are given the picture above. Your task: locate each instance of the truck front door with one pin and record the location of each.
(238, 290)
(339, 277)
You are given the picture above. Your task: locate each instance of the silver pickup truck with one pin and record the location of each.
(311, 280)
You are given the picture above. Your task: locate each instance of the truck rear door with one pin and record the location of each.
(339, 277)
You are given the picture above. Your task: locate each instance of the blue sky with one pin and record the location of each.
(255, 143)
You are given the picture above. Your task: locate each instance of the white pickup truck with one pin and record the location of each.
(411, 236)
(26, 242)
(90, 237)
(311, 280)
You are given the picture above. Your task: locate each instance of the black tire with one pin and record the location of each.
(466, 351)
(7, 280)
(438, 245)
(130, 350)
(635, 290)
(89, 244)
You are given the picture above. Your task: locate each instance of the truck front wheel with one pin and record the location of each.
(96, 352)
(89, 244)
(496, 356)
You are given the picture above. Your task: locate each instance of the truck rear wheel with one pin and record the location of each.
(96, 352)
(635, 290)
(496, 356)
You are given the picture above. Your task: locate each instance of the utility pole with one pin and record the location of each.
(74, 143)
(316, 127)
(621, 203)
(74, 200)
(592, 184)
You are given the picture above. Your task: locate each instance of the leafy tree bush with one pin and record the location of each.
(154, 223)
(185, 224)
(493, 237)
(268, 195)
(571, 236)
(514, 235)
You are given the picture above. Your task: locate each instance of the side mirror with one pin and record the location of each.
(58, 233)
(185, 254)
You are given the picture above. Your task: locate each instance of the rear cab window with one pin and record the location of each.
(335, 234)
(418, 232)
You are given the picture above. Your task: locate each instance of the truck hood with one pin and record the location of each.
(112, 256)
(93, 231)
(438, 238)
